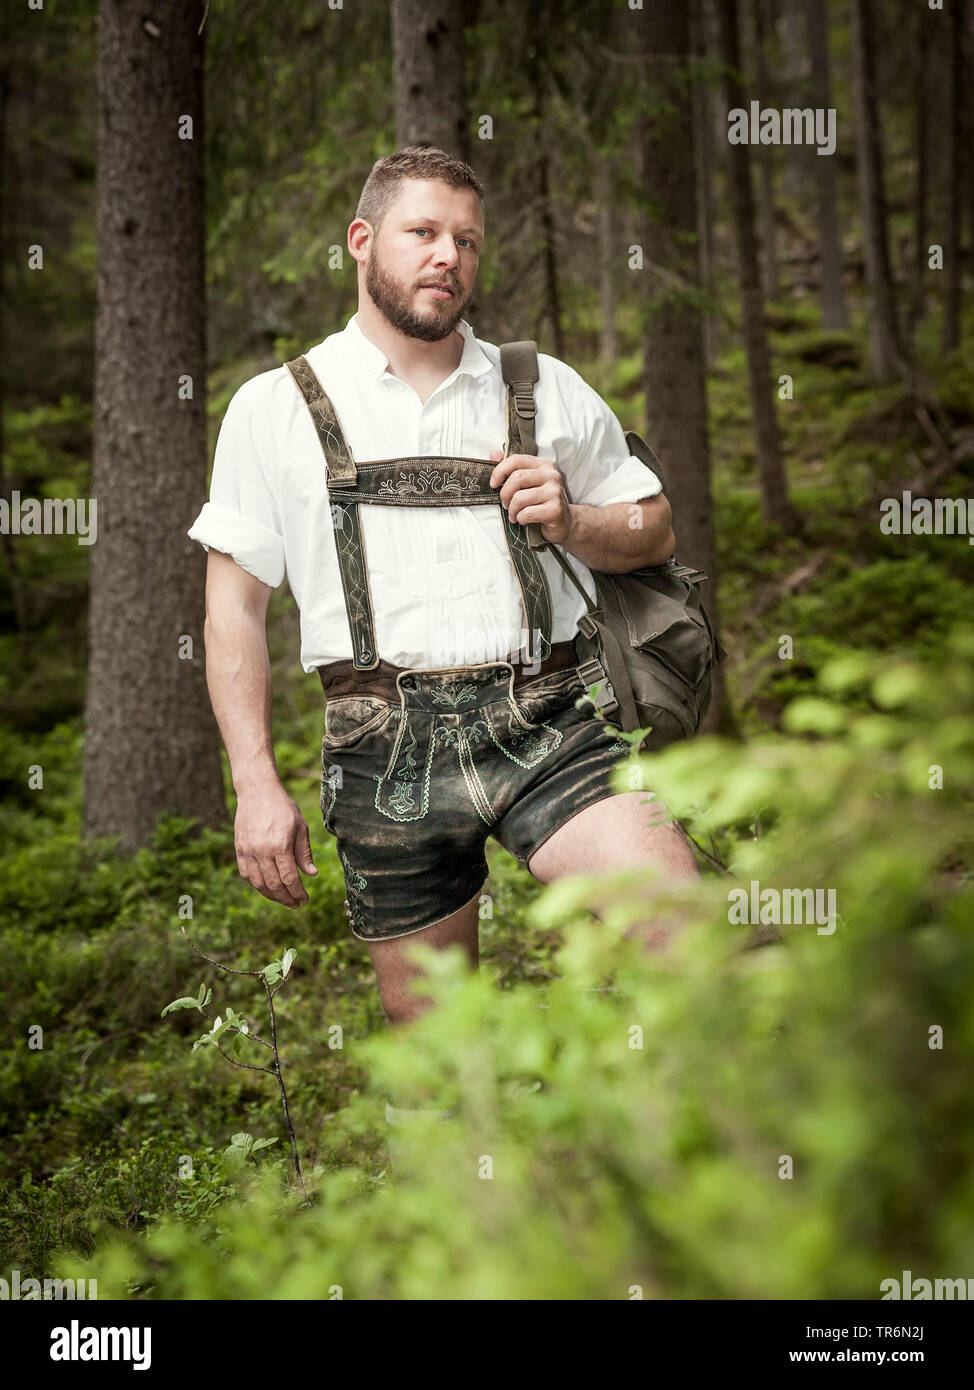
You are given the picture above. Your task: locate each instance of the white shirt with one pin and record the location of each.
(444, 590)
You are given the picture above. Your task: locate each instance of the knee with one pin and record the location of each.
(401, 1004)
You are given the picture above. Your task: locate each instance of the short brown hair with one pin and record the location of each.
(413, 162)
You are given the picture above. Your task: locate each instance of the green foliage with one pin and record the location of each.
(901, 600)
(241, 1147)
(95, 1195)
(627, 1121)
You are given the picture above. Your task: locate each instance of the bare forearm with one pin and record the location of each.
(622, 536)
(238, 677)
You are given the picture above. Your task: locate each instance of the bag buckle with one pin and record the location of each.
(592, 672)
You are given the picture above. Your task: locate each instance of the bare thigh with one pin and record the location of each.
(620, 831)
(394, 972)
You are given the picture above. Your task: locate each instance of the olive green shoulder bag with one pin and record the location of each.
(647, 641)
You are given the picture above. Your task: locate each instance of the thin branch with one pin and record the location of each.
(246, 1065)
(217, 963)
(713, 859)
(275, 1070)
(280, 1082)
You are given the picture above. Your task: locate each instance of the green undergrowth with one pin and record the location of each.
(771, 1110)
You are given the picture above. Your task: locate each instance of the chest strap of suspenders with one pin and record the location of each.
(424, 481)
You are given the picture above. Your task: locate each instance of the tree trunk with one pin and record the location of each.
(921, 190)
(18, 594)
(955, 183)
(609, 337)
(430, 93)
(704, 145)
(151, 742)
(539, 21)
(884, 350)
(771, 470)
(793, 71)
(673, 364)
(769, 232)
(969, 138)
(833, 295)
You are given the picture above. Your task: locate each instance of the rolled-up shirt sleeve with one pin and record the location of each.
(242, 517)
(602, 470)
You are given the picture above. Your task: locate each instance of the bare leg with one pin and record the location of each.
(621, 831)
(402, 1007)
(394, 972)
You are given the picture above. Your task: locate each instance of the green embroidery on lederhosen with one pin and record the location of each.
(452, 691)
(402, 791)
(461, 736)
(355, 882)
(430, 480)
(525, 744)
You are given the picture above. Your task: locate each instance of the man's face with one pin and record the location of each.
(423, 261)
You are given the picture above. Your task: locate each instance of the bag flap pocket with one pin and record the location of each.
(664, 624)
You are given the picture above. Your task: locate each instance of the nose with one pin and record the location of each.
(446, 253)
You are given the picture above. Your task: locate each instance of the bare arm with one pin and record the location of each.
(622, 536)
(270, 834)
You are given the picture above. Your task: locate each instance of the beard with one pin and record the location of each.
(393, 301)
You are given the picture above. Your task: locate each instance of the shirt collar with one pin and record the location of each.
(473, 360)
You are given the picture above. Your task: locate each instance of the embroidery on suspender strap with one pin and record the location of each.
(341, 473)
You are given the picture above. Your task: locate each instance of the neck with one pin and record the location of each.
(408, 356)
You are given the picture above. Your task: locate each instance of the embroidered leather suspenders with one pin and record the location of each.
(431, 481)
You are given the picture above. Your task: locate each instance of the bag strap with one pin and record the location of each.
(608, 669)
(519, 368)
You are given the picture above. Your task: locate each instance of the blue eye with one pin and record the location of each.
(467, 243)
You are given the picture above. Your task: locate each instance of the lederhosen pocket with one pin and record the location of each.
(350, 717)
(350, 722)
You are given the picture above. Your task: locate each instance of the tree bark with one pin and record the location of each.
(674, 368)
(430, 91)
(608, 335)
(884, 352)
(775, 504)
(18, 593)
(921, 189)
(834, 314)
(968, 128)
(703, 138)
(151, 742)
(793, 74)
(769, 231)
(539, 16)
(955, 183)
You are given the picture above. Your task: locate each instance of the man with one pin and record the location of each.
(444, 734)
